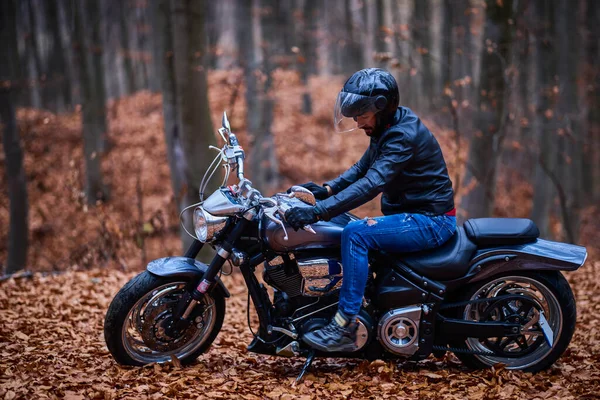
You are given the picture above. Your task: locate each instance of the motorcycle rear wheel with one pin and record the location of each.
(134, 327)
(552, 294)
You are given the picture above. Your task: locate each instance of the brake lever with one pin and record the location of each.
(284, 207)
(270, 213)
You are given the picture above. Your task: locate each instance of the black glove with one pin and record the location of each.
(298, 217)
(320, 192)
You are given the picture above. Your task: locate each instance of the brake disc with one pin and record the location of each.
(157, 320)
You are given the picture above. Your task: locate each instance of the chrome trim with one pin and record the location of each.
(238, 257)
(223, 253)
(287, 332)
(546, 329)
(314, 312)
(133, 331)
(317, 277)
(535, 291)
(218, 204)
(189, 309)
(276, 261)
(362, 334)
(398, 330)
(290, 350)
(306, 306)
(205, 220)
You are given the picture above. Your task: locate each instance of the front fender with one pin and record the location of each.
(539, 255)
(183, 267)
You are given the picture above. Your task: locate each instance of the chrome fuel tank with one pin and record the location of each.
(328, 234)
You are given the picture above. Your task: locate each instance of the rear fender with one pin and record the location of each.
(539, 255)
(183, 267)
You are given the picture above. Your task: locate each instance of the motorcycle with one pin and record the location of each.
(493, 293)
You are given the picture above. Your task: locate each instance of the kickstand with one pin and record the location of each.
(309, 360)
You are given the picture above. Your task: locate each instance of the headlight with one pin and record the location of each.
(206, 225)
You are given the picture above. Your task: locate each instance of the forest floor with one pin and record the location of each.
(52, 346)
(51, 342)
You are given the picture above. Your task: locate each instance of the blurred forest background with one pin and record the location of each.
(107, 109)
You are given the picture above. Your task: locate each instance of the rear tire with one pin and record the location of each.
(560, 299)
(128, 313)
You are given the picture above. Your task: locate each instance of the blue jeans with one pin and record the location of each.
(399, 233)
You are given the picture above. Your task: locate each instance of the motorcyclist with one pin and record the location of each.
(405, 162)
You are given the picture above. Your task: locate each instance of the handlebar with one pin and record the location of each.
(240, 163)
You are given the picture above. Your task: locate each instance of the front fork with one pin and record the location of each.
(208, 280)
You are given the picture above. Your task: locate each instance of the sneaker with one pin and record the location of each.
(333, 337)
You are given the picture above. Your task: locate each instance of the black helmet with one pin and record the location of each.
(368, 90)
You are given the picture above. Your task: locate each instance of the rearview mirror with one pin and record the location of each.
(303, 194)
(225, 129)
(225, 122)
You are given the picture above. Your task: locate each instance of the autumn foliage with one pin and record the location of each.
(51, 346)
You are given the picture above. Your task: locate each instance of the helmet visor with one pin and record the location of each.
(348, 107)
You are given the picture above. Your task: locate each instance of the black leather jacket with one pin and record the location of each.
(406, 163)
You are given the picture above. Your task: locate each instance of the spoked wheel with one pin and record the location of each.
(542, 303)
(137, 327)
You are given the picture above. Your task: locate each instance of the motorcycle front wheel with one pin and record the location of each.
(136, 324)
(528, 295)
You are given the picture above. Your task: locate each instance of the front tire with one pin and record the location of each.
(551, 291)
(134, 327)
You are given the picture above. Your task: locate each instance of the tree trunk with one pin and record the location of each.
(592, 57)
(569, 119)
(165, 65)
(324, 38)
(359, 54)
(446, 42)
(486, 145)
(141, 44)
(544, 101)
(422, 36)
(436, 51)
(520, 158)
(259, 98)
(95, 50)
(196, 128)
(66, 25)
(58, 63)
(307, 40)
(354, 56)
(36, 10)
(226, 28)
(369, 46)
(93, 108)
(30, 55)
(15, 173)
(126, 52)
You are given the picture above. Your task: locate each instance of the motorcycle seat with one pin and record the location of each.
(447, 262)
(501, 231)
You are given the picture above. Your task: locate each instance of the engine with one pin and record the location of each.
(311, 277)
(398, 330)
(301, 281)
(282, 273)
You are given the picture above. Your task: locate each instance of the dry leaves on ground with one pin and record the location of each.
(51, 346)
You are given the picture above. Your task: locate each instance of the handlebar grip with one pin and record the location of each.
(240, 163)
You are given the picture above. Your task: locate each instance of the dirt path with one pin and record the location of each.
(51, 346)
